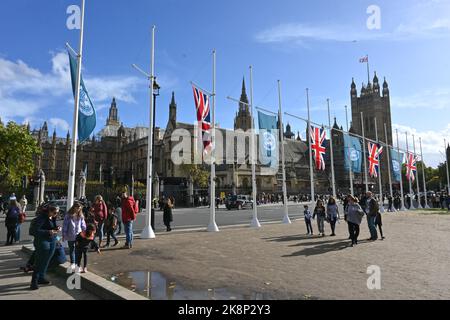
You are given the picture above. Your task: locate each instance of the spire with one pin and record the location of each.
(244, 106)
(173, 103)
(375, 78)
(113, 118)
(335, 126)
(244, 90)
(68, 135)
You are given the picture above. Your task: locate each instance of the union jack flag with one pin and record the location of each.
(203, 117)
(364, 59)
(317, 146)
(375, 150)
(411, 167)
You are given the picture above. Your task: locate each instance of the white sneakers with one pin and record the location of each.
(79, 269)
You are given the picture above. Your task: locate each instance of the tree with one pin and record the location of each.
(199, 175)
(17, 150)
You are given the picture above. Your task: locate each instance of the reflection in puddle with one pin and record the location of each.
(155, 286)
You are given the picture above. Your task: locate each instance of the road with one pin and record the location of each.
(194, 218)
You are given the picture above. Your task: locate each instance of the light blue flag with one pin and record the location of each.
(353, 153)
(87, 117)
(268, 140)
(397, 163)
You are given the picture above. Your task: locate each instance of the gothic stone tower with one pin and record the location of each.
(243, 118)
(113, 119)
(373, 103)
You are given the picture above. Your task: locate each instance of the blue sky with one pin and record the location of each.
(302, 43)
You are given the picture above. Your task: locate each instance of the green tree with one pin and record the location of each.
(17, 150)
(199, 175)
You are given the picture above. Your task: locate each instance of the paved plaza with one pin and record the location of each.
(281, 262)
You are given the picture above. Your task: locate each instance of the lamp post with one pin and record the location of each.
(156, 89)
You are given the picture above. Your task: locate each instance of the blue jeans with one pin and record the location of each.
(45, 249)
(129, 232)
(372, 227)
(99, 233)
(17, 235)
(71, 251)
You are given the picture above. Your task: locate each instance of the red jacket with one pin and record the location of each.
(129, 209)
(100, 211)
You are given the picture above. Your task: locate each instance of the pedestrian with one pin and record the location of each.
(101, 214)
(111, 227)
(168, 214)
(23, 203)
(83, 241)
(379, 224)
(391, 204)
(129, 212)
(118, 214)
(308, 218)
(372, 209)
(74, 224)
(332, 215)
(21, 220)
(353, 216)
(11, 221)
(45, 231)
(320, 212)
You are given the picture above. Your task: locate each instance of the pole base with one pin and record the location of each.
(148, 233)
(287, 220)
(213, 227)
(255, 224)
(427, 207)
(403, 209)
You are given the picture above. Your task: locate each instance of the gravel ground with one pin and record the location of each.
(284, 263)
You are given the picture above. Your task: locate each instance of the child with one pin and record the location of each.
(82, 242)
(308, 218)
(111, 227)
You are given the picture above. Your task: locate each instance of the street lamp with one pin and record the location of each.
(156, 89)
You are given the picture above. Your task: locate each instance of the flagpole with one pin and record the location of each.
(333, 178)
(419, 206)
(410, 183)
(148, 232)
(423, 174)
(364, 153)
(255, 222)
(446, 161)
(368, 71)
(402, 194)
(311, 169)
(73, 153)
(212, 223)
(286, 219)
(349, 156)
(389, 163)
(379, 171)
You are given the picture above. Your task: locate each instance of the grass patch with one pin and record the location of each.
(435, 211)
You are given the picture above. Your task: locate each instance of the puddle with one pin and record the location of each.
(155, 286)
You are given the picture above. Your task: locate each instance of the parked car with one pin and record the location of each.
(239, 202)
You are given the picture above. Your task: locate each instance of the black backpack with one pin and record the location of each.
(33, 227)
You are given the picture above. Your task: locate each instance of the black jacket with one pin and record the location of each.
(43, 227)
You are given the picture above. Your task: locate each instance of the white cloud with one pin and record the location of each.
(21, 86)
(432, 142)
(59, 124)
(436, 99)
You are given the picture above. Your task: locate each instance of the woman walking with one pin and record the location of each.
(12, 221)
(101, 214)
(74, 223)
(354, 216)
(320, 212)
(45, 231)
(332, 215)
(168, 214)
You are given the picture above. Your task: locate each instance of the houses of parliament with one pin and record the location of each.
(118, 153)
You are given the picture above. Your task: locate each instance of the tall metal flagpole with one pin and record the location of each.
(255, 222)
(212, 223)
(368, 70)
(148, 232)
(311, 169)
(379, 170)
(286, 219)
(333, 178)
(388, 152)
(402, 194)
(349, 156)
(364, 153)
(410, 184)
(446, 161)
(73, 153)
(419, 205)
(423, 175)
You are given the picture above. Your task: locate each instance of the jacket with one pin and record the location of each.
(12, 217)
(129, 210)
(82, 242)
(354, 213)
(72, 226)
(100, 211)
(43, 227)
(372, 207)
(333, 212)
(319, 212)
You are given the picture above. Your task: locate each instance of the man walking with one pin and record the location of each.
(372, 210)
(129, 212)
